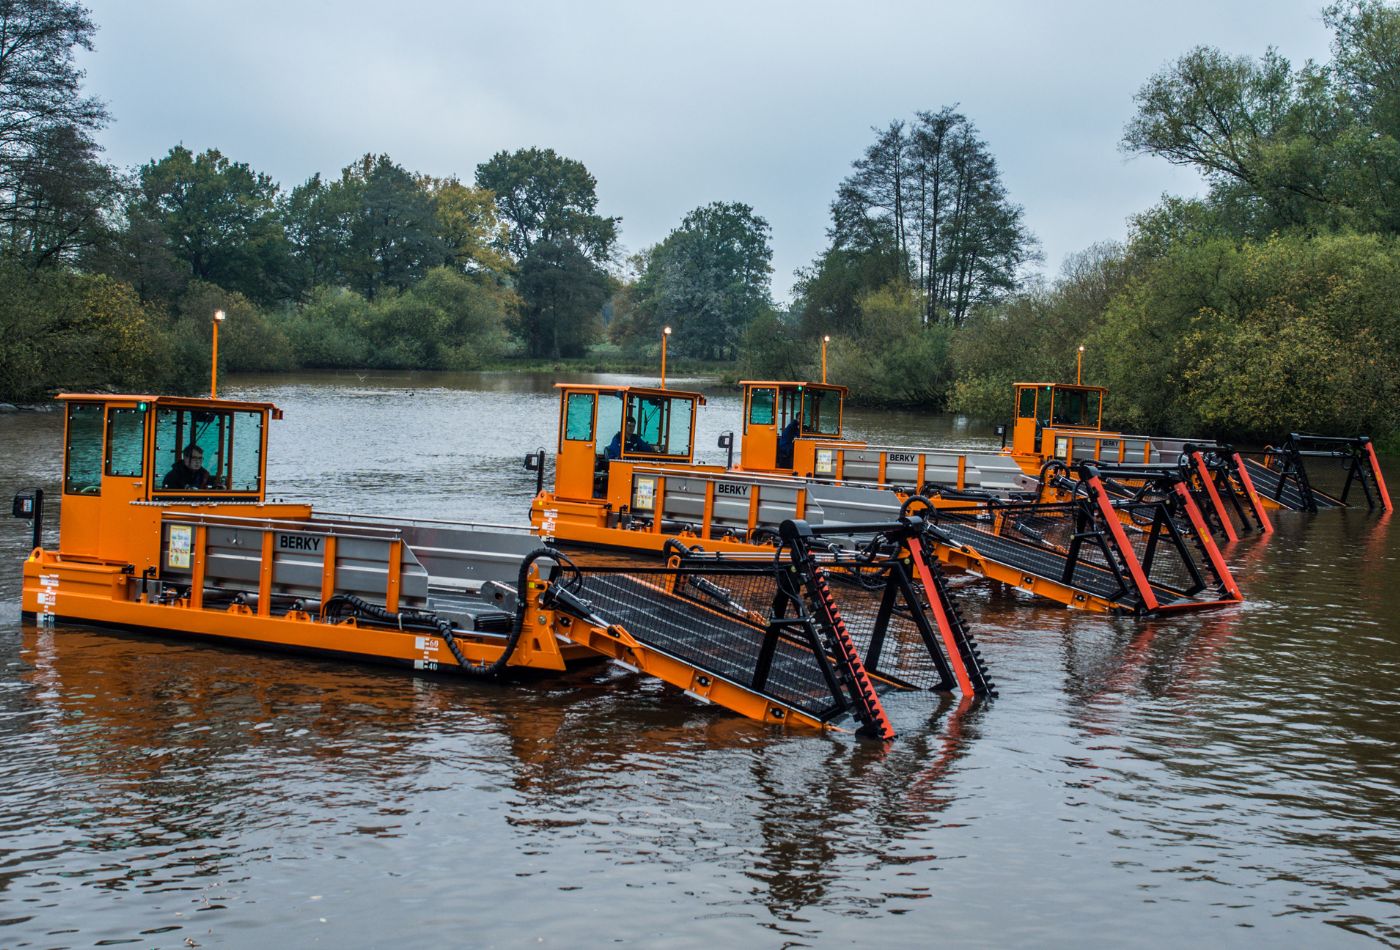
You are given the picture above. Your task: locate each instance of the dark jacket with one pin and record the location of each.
(181, 476)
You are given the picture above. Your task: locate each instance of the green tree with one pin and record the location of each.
(393, 237)
(1251, 339)
(828, 293)
(893, 358)
(562, 293)
(708, 280)
(545, 197)
(1317, 147)
(317, 217)
(374, 229)
(63, 330)
(61, 198)
(331, 330)
(931, 195)
(249, 339)
(471, 230)
(219, 218)
(52, 187)
(1035, 334)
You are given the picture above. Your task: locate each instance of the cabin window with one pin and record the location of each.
(201, 430)
(821, 412)
(1043, 406)
(245, 467)
(578, 417)
(1072, 407)
(663, 425)
(126, 441)
(761, 406)
(609, 422)
(1026, 407)
(789, 405)
(83, 452)
(1092, 409)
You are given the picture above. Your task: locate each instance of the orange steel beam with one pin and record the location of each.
(1215, 499)
(394, 579)
(328, 568)
(1120, 537)
(1198, 524)
(658, 504)
(1380, 479)
(1260, 511)
(707, 517)
(945, 627)
(197, 554)
(265, 574)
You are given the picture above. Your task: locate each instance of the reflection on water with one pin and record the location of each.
(1214, 776)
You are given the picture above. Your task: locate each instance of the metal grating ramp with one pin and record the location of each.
(1043, 562)
(709, 640)
(1271, 484)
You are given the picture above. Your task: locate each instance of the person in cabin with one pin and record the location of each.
(785, 440)
(188, 472)
(635, 443)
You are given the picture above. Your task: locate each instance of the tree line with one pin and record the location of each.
(1262, 304)
(109, 277)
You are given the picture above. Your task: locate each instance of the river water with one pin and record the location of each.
(1228, 776)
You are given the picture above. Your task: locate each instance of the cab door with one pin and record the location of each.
(760, 446)
(576, 461)
(1025, 435)
(127, 528)
(80, 515)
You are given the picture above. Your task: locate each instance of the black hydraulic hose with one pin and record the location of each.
(522, 579)
(911, 500)
(427, 620)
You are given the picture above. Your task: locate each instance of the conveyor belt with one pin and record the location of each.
(709, 640)
(1267, 483)
(1043, 562)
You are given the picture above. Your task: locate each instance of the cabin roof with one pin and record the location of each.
(632, 390)
(186, 402)
(793, 382)
(1102, 389)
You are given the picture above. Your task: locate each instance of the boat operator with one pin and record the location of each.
(189, 471)
(635, 443)
(785, 440)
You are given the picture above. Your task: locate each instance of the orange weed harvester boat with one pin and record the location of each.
(166, 527)
(625, 477)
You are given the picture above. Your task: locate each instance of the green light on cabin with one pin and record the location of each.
(140, 407)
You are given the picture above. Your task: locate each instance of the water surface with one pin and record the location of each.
(1228, 776)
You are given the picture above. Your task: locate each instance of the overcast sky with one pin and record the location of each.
(673, 106)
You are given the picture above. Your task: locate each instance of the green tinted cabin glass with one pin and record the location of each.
(663, 425)
(83, 472)
(203, 429)
(1091, 414)
(1026, 409)
(609, 420)
(678, 438)
(1043, 406)
(126, 441)
(1069, 407)
(790, 404)
(578, 417)
(761, 407)
(822, 412)
(245, 469)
